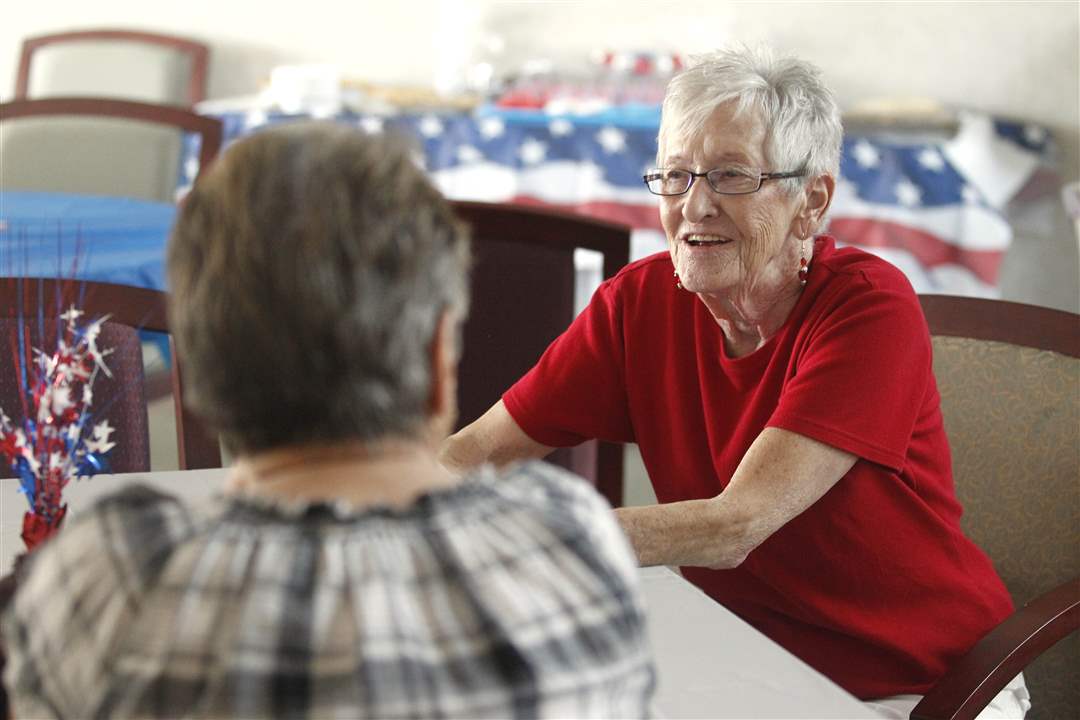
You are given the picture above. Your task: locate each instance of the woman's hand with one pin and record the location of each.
(782, 474)
(495, 437)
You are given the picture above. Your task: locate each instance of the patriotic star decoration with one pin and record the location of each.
(430, 126)
(56, 441)
(468, 154)
(532, 151)
(908, 193)
(71, 314)
(492, 127)
(560, 127)
(611, 139)
(90, 336)
(931, 159)
(866, 154)
(100, 442)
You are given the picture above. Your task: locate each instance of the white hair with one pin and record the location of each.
(802, 120)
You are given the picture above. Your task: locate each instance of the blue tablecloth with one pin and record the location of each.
(88, 237)
(109, 239)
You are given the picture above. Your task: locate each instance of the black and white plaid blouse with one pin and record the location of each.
(505, 596)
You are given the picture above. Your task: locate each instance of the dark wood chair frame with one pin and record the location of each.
(1003, 321)
(555, 228)
(562, 231)
(1037, 626)
(139, 308)
(197, 51)
(209, 129)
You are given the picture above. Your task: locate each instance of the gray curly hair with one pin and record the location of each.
(308, 271)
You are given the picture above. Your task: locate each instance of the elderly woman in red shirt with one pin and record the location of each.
(781, 392)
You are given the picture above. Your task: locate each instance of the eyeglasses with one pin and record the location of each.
(726, 181)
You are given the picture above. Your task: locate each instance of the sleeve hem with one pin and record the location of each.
(839, 439)
(550, 438)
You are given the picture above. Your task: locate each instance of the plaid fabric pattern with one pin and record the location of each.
(505, 596)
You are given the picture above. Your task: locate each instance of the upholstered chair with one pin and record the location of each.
(1009, 378)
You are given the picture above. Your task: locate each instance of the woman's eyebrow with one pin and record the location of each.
(717, 161)
(732, 157)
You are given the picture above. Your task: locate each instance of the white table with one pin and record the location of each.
(711, 663)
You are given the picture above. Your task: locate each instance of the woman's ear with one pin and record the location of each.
(442, 401)
(819, 195)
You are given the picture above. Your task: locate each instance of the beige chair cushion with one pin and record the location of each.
(1012, 415)
(110, 68)
(90, 155)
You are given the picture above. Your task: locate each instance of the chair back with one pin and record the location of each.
(123, 399)
(100, 147)
(1009, 378)
(523, 297)
(121, 64)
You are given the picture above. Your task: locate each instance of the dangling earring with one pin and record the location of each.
(678, 283)
(804, 264)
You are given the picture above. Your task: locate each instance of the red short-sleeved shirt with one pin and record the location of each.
(874, 585)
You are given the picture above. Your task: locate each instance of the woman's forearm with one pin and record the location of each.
(781, 475)
(700, 533)
(494, 437)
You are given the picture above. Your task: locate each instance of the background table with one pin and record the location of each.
(711, 664)
(935, 207)
(89, 237)
(110, 239)
(932, 205)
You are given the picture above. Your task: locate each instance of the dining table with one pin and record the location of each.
(103, 238)
(710, 663)
(91, 237)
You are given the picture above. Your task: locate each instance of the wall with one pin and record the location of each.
(1013, 59)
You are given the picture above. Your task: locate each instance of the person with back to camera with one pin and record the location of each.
(318, 284)
(781, 392)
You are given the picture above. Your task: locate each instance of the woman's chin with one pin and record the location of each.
(708, 285)
(700, 278)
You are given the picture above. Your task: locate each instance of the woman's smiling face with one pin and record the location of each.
(729, 244)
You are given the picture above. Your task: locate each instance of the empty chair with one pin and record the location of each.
(522, 299)
(120, 399)
(101, 147)
(1009, 378)
(122, 64)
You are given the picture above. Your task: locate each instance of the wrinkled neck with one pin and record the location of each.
(750, 321)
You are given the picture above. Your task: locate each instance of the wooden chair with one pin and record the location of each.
(129, 309)
(99, 146)
(522, 299)
(1009, 378)
(122, 64)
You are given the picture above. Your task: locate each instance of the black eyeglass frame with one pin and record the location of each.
(761, 178)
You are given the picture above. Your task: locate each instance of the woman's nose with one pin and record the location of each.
(700, 202)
